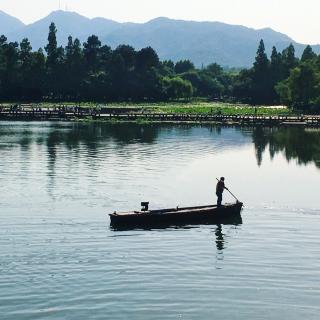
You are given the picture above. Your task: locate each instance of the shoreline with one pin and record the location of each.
(178, 113)
(301, 121)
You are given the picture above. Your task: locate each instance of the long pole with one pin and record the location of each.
(230, 192)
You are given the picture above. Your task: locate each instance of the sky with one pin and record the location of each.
(298, 19)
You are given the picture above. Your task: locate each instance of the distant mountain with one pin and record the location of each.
(201, 42)
(68, 23)
(9, 23)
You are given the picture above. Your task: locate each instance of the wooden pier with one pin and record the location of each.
(67, 113)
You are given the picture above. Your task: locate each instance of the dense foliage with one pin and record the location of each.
(92, 71)
(282, 79)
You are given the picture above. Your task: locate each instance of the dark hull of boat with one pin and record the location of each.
(228, 214)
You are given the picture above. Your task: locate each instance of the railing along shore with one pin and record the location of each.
(72, 113)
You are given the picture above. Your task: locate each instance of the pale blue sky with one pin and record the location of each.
(298, 19)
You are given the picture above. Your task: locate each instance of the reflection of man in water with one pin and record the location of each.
(219, 238)
(219, 191)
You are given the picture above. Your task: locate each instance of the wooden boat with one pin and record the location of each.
(177, 216)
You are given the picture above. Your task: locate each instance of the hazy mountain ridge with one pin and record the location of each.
(201, 42)
(68, 23)
(9, 23)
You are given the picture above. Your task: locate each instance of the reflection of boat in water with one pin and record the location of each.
(227, 214)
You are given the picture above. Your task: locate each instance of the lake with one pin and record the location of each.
(59, 258)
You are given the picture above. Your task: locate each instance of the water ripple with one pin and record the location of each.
(59, 259)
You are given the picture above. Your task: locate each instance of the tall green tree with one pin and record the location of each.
(261, 85)
(3, 42)
(184, 66)
(91, 53)
(123, 72)
(147, 77)
(74, 69)
(52, 48)
(54, 65)
(37, 75)
(9, 70)
(25, 57)
(276, 73)
(289, 61)
(301, 90)
(146, 59)
(308, 54)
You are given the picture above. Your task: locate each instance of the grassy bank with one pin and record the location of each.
(216, 108)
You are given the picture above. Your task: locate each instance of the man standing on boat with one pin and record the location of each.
(219, 191)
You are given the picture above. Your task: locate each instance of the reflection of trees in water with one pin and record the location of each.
(52, 156)
(94, 137)
(90, 139)
(295, 143)
(260, 141)
(215, 129)
(90, 135)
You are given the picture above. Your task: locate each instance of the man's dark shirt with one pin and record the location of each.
(220, 187)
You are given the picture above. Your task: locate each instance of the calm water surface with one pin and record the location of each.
(59, 259)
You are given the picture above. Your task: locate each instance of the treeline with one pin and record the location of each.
(94, 72)
(281, 79)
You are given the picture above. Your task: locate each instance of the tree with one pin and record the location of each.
(74, 69)
(3, 40)
(243, 86)
(276, 71)
(52, 47)
(302, 85)
(146, 59)
(301, 90)
(308, 54)
(25, 57)
(261, 63)
(195, 79)
(261, 84)
(214, 70)
(36, 76)
(167, 67)
(9, 70)
(275, 65)
(177, 88)
(54, 65)
(3, 43)
(129, 56)
(210, 87)
(283, 91)
(289, 60)
(91, 53)
(105, 56)
(183, 66)
(25, 51)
